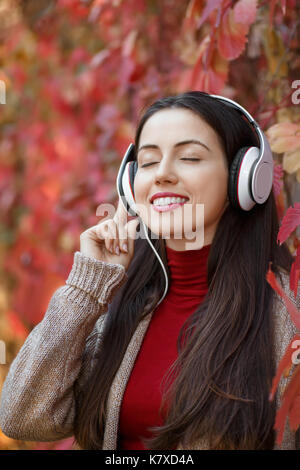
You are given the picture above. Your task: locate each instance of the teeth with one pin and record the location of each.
(164, 201)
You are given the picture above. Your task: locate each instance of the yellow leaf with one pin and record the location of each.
(275, 50)
(291, 161)
(284, 136)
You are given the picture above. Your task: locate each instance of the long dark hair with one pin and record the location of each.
(218, 387)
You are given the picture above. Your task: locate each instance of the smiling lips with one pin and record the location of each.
(167, 207)
(164, 204)
(166, 195)
(166, 201)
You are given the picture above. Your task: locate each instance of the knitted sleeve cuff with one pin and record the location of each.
(97, 278)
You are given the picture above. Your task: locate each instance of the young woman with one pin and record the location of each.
(109, 366)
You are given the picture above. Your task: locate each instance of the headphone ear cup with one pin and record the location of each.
(234, 177)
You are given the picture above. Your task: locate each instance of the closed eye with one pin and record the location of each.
(192, 159)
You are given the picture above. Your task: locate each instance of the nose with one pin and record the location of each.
(164, 172)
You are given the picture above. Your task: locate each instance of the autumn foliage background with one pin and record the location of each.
(77, 76)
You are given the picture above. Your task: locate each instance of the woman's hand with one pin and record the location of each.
(102, 241)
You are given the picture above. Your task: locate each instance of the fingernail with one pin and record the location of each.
(117, 250)
(125, 247)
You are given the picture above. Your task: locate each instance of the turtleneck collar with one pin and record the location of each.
(188, 270)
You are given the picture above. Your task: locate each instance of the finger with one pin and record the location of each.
(113, 235)
(121, 214)
(104, 233)
(121, 219)
(121, 229)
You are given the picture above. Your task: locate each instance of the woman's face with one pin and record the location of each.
(164, 166)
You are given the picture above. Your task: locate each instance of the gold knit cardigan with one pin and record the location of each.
(37, 400)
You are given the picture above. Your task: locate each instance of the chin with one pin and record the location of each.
(169, 232)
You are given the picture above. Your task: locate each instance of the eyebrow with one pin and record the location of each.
(183, 142)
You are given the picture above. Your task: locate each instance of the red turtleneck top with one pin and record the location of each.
(142, 397)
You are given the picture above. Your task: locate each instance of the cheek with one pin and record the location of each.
(139, 189)
(211, 183)
(141, 195)
(211, 190)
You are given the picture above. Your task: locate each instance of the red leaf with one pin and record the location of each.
(289, 223)
(283, 6)
(292, 309)
(35, 270)
(290, 397)
(213, 78)
(271, 11)
(277, 180)
(45, 284)
(295, 273)
(245, 11)
(193, 12)
(16, 325)
(295, 413)
(211, 5)
(283, 366)
(231, 36)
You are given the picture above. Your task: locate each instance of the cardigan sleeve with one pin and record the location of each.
(37, 401)
(285, 330)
